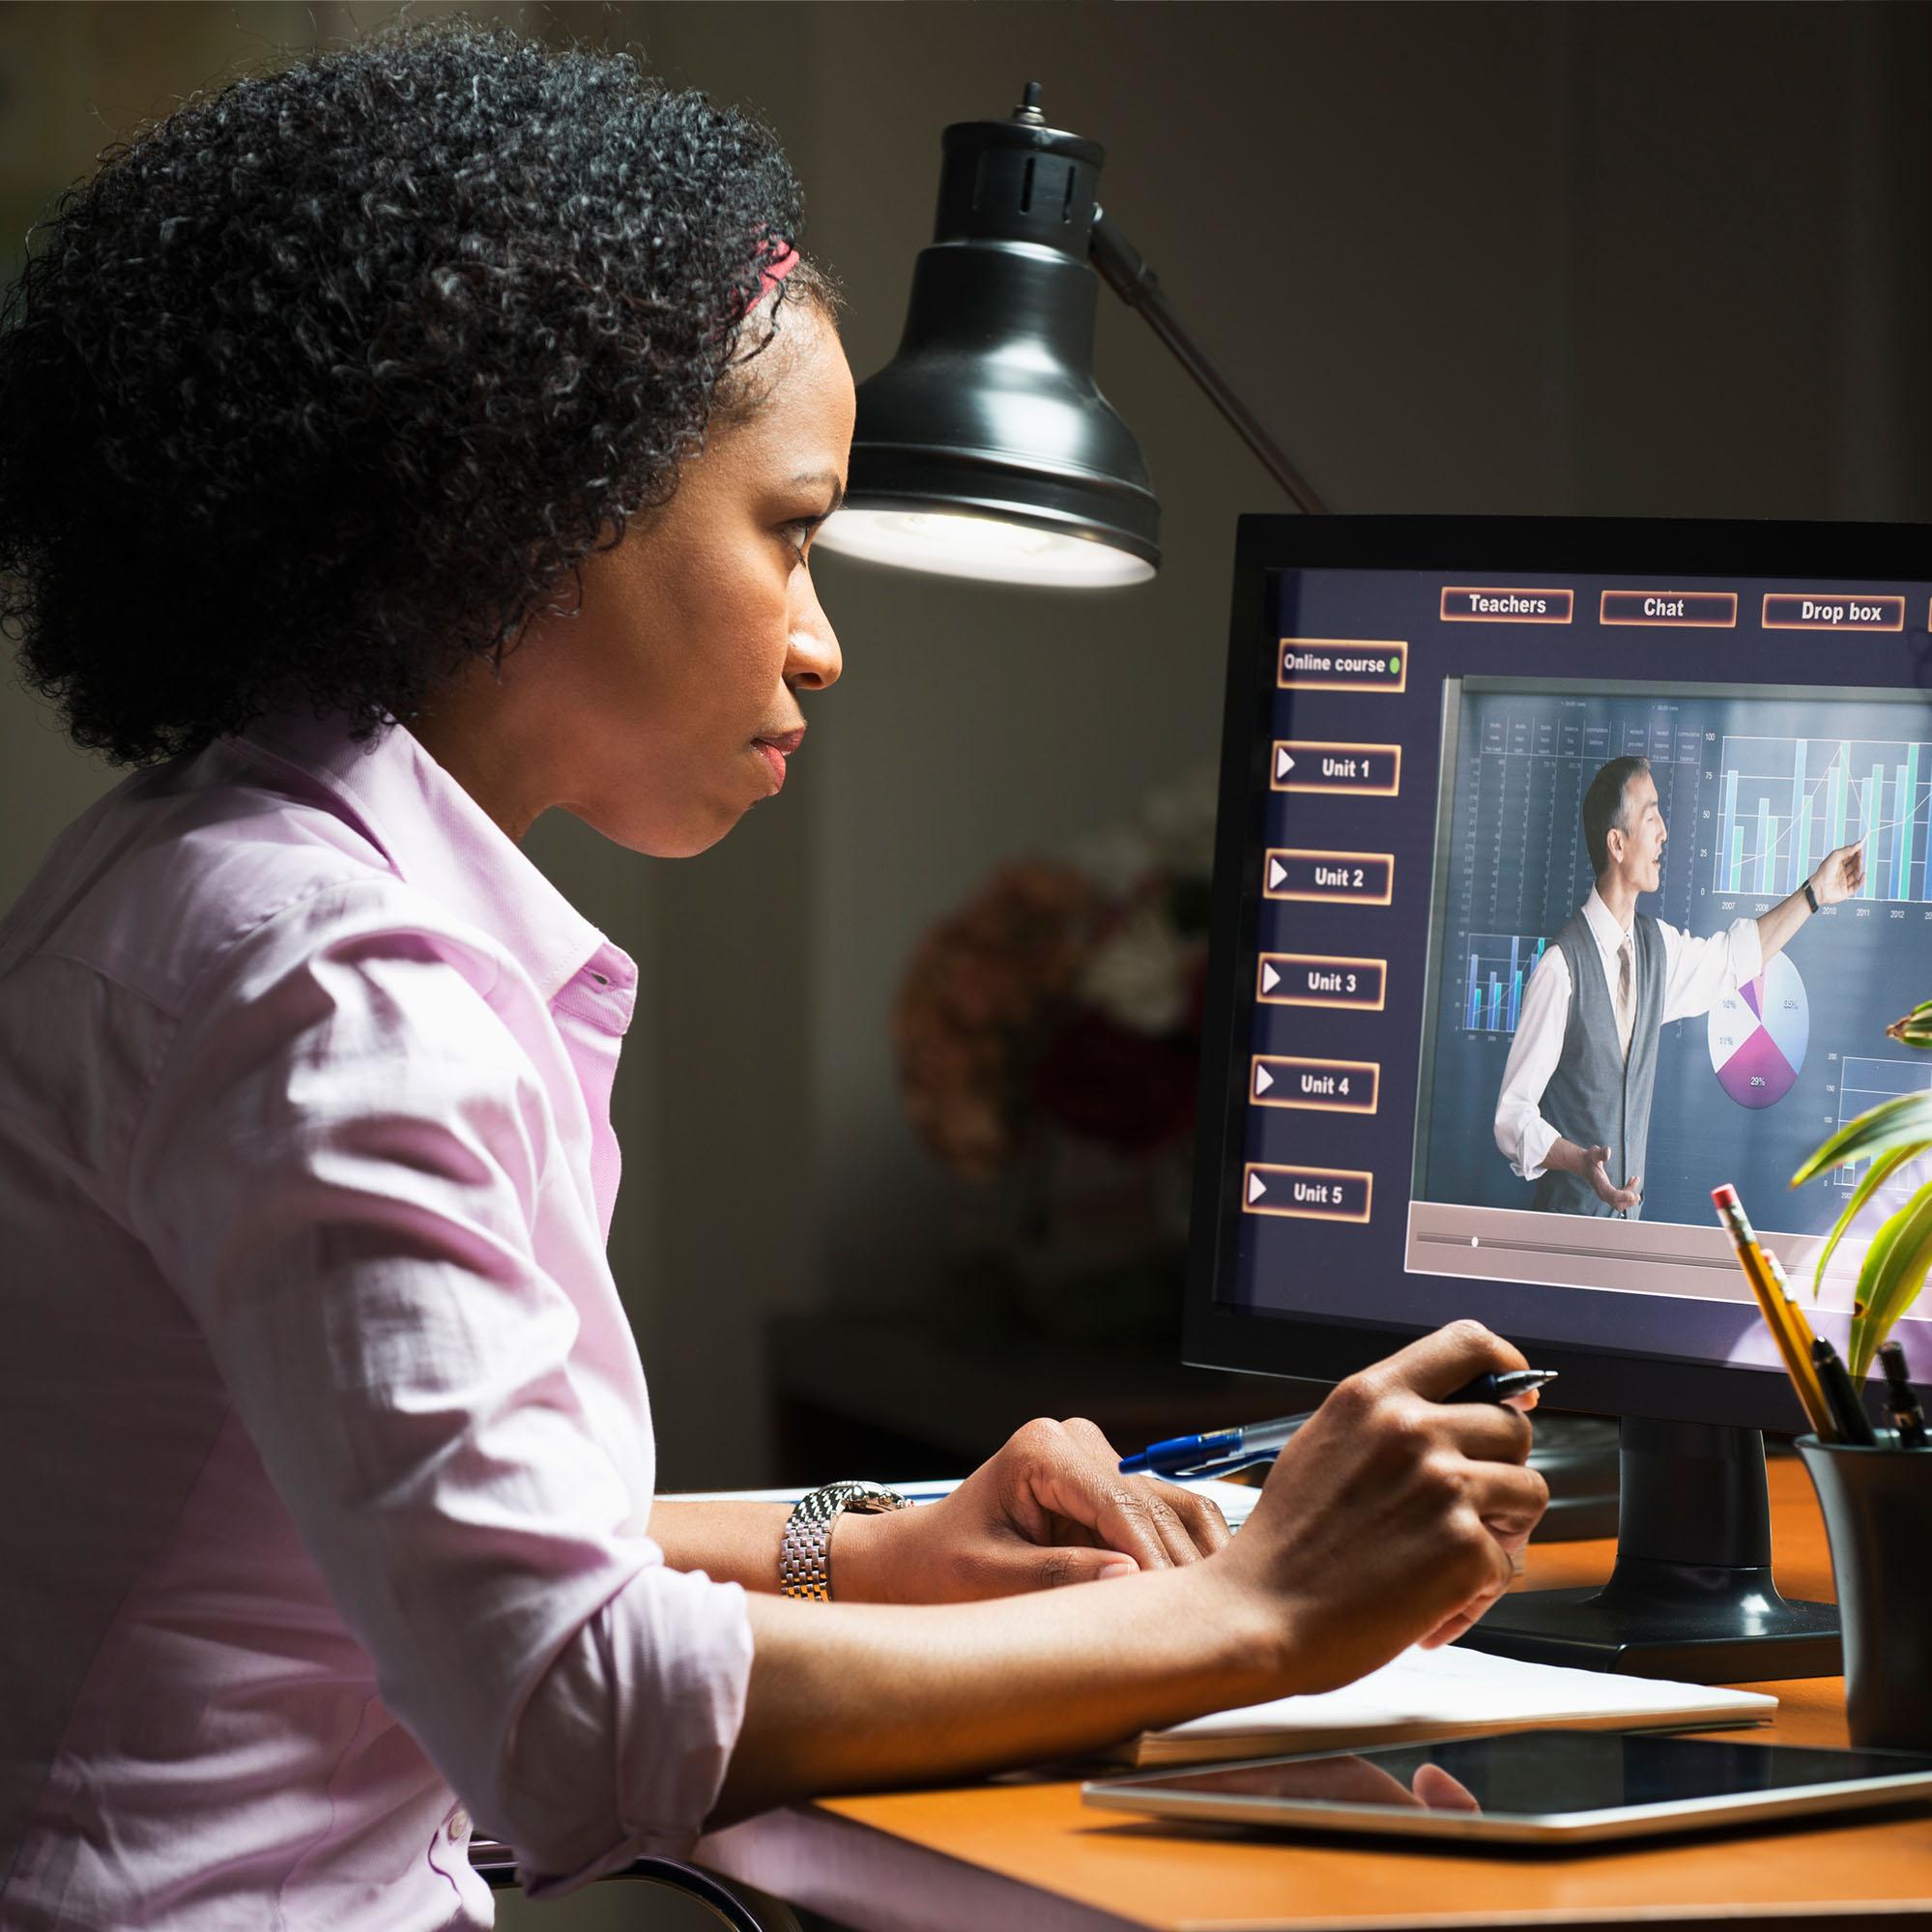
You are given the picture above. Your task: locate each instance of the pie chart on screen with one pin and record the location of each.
(1759, 1033)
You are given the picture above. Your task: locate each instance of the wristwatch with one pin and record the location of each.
(805, 1552)
(1810, 897)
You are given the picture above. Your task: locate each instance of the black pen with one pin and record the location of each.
(1907, 1417)
(1847, 1413)
(1229, 1448)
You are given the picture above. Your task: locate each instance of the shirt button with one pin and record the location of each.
(458, 1826)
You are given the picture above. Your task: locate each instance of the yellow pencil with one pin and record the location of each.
(1782, 1316)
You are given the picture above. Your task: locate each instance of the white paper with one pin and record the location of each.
(1456, 1686)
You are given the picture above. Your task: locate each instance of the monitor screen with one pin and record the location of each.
(1511, 817)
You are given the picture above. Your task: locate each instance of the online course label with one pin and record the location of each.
(1342, 664)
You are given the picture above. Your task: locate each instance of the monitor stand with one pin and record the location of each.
(1690, 1596)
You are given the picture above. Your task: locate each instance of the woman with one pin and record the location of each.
(398, 448)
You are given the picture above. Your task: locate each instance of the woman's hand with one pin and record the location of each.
(1051, 1508)
(1393, 1517)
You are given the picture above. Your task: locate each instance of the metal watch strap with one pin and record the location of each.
(805, 1552)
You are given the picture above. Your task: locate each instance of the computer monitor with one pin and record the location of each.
(1417, 708)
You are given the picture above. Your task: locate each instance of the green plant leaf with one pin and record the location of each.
(1877, 1174)
(1894, 1272)
(1906, 1121)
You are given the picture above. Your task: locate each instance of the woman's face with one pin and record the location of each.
(664, 708)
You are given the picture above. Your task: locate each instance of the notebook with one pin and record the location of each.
(1425, 1694)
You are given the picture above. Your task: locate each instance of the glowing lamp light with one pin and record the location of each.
(991, 549)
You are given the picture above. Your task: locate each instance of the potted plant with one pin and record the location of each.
(1890, 1137)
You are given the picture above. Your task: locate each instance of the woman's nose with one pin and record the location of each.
(813, 659)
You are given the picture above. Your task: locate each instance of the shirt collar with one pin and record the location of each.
(1603, 924)
(441, 841)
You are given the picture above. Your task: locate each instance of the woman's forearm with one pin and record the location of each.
(848, 1695)
(731, 1543)
(1393, 1517)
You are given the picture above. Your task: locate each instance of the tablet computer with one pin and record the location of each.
(1548, 1788)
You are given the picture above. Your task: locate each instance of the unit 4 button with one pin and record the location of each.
(1331, 1086)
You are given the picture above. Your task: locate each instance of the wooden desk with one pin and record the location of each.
(1027, 1857)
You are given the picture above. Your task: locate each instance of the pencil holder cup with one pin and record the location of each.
(1878, 1510)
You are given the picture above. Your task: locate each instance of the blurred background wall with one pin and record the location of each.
(1623, 260)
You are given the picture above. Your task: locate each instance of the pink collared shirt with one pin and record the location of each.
(328, 1462)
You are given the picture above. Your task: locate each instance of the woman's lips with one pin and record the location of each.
(775, 750)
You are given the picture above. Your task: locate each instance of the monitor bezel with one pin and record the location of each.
(1327, 1347)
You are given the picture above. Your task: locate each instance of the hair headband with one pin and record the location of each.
(779, 263)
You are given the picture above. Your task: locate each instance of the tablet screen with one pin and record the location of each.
(1542, 1774)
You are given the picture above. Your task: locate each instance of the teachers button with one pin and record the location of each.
(1362, 879)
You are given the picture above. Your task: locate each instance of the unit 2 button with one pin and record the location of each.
(1360, 879)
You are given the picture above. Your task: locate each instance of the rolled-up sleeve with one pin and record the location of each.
(343, 1159)
(1698, 972)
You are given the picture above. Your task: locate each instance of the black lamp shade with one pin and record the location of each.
(984, 447)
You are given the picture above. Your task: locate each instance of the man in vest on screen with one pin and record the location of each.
(1574, 1115)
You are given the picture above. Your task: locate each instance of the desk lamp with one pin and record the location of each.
(985, 449)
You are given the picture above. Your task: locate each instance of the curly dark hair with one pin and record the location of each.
(325, 384)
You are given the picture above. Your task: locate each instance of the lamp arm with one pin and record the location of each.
(1124, 269)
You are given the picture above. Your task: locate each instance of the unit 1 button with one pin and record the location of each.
(1319, 764)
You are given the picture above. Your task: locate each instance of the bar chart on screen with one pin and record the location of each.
(1866, 1082)
(1784, 802)
(1500, 965)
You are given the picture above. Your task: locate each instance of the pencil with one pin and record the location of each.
(1781, 1314)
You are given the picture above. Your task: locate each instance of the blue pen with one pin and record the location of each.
(1230, 1449)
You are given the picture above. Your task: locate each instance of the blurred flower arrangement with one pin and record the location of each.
(1047, 1034)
